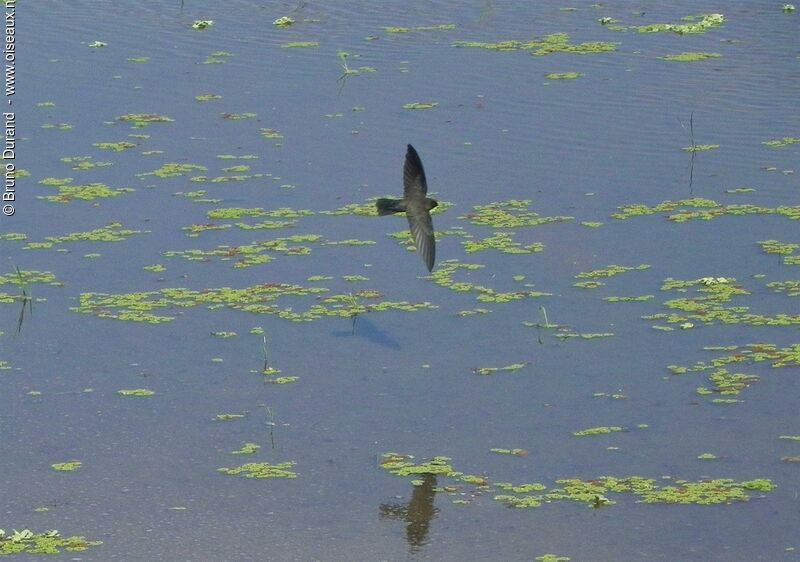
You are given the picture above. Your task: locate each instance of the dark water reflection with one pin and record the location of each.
(395, 380)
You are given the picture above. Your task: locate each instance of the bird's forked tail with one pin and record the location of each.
(389, 206)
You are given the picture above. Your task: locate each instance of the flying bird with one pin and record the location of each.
(416, 205)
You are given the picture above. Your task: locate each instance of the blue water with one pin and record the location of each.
(400, 382)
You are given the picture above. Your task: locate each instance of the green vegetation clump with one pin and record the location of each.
(86, 192)
(694, 24)
(597, 431)
(556, 43)
(48, 542)
(140, 120)
(509, 214)
(173, 169)
(563, 75)
(115, 146)
(492, 370)
(112, 232)
(703, 209)
(262, 470)
(609, 271)
(780, 143)
(691, 57)
(502, 242)
(141, 392)
(444, 277)
(69, 466)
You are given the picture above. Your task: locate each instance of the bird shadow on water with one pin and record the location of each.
(366, 329)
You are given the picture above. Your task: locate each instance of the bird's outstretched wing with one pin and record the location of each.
(421, 225)
(414, 184)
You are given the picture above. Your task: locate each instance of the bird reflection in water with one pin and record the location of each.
(419, 512)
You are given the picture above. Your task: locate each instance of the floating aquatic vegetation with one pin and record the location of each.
(566, 333)
(207, 97)
(590, 492)
(140, 392)
(247, 449)
(493, 370)
(262, 470)
(723, 382)
(347, 71)
(741, 190)
(641, 298)
(45, 104)
(788, 8)
(84, 163)
(59, 126)
(97, 44)
(13, 236)
(443, 276)
(140, 120)
(708, 209)
(251, 254)
(694, 24)
(355, 278)
(609, 271)
(513, 452)
(440, 27)
(597, 431)
(173, 169)
(790, 437)
(138, 60)
(420, 105)
(284, 21)
(784, 249)
(228, 417)
(556, 43)
(267, 225)
(112, 232)
(563, 75)
(300, 45)
(509, 214)
(474, 311)
(611, 396)
(155, 268)
(69, 466)
(115, 146)
(22, 277)
(502, 242)
(271, 134)
(283, 380)
(194, 230)
(48, 542)
(780, 143)
(708, 307)
(202, 24)
(700, 147)
(549, 557)
(258, 299)
(238, 117)
(224, 335)
(84, 192)
(691, 57)
(707, 456)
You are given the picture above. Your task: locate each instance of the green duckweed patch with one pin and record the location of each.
(790, 437)
(691, 57)
(609, 271)
(259, 299)
(136, 392)
(509, 214)
(115, 146)
(446, 271)
(494, 370)
(207, 97)
(262, 470)
(703, 209)
(58, 126)
(420, 105)
(502, 242)
(692, 24)
(300, 45)
(155, 268)
(708, 306)
(251, 254)
(82, 163)
(780, 143)
(69, 466)
(593, 492)
(723, 382)
(247, 449)
(113, 232)
(602, 430)
(85, 192)
(48, 542)
(513, 452)
(640, 298)
(173, 169)
(140, 120)
(700, 147)
(228, 417)
(556, 43)
(440, 27)
(550, 557)
(563, 75)
(13, 237)
(284, 21)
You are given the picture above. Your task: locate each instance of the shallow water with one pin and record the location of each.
(398, 381)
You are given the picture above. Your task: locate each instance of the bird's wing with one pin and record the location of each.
(414, 183)
(421, 226)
